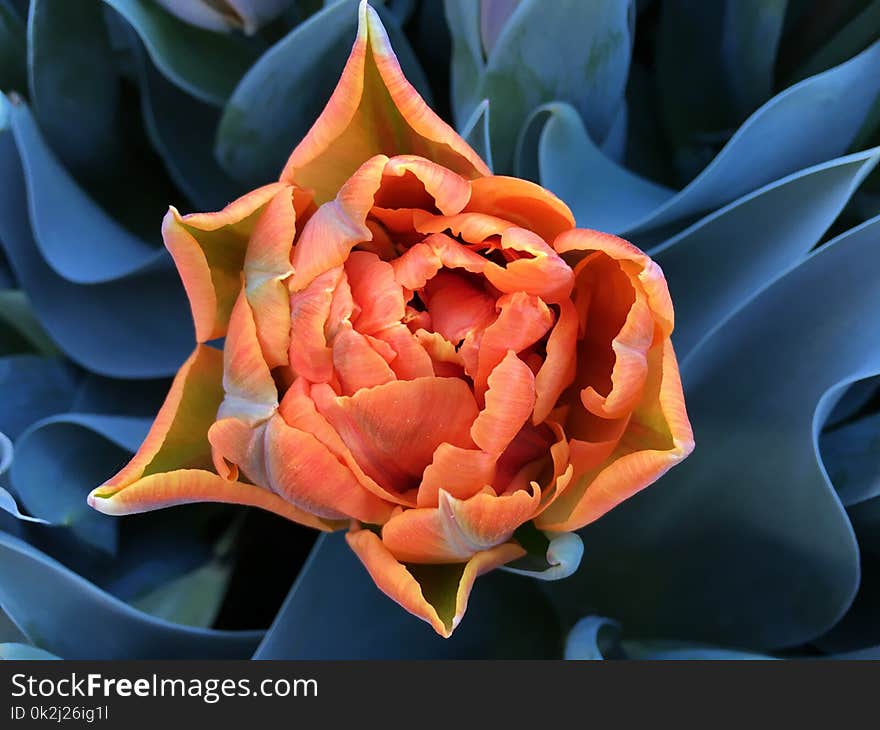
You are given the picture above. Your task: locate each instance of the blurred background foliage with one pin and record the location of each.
(735, 140)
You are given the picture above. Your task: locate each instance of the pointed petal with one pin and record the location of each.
(393, 429)
(305, 472)
(657, 437)
(338, 225)
(266, 266)
(509, 403)
(457, 529)
(209, 250)
(437, 594)
(178, 437)
(251, 395)
(185, 486)
(374, 110)
(521, 202)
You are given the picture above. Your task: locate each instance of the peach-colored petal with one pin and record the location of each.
(393, 429)
(458, 304)
(338, 225)
(209, 250)
(178, 437)
(541, 272)
(657, 437)
(470, 227)
(580, 241)
(510, 400)
(460, 472)
(523, 319)
(521, 202)
(376, 292)
(185, 486)
(438, 185)
(357, 363)
(251, 395)
(558, 369)
(266, 266)
(457, 529)
(307, 474)
(310, 309)
(424, 590)
(299, 411)
(373, 110)
(411, 360)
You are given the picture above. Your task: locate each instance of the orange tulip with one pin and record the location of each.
(417, 350)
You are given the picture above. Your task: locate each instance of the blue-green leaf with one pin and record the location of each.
(475, 132)
(72, 76)
(281, 96)
(592, 637)
(827, 110)
(100, 249)
(851, 455)
(468, 63)
(20, 331)
(22, 652)
(720, 262)
(13, 51)
(677, 650)
(334, 611)
(746, 542)
(204, 64)
(32, 387)
(137, 326)
(7, 501)
(61, 459)
(86, 623)
(566, 50)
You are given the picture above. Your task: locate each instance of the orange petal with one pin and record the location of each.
(458, 304)
(542, 272)
(521, 202)
(412, 182)
(411, 360)
(657, 437)
(393, 429)
(310, 309)
(374, 110)
(509, 403)
(178, 438)
(299, 411)
(337, 226)
(251, 395)
(376, 292)
(460, 472)
(236, 444)
(185, 486)
(209, 251)
(437, 594)
(558, 369)
(357, 363)
(307, 474)
(266, 266)
(457, 529)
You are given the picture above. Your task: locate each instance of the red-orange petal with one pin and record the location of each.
(376, 292)
(374, 110)
(460, 472)
(209, 252)
(423, 596)
(658, 436)
(357, 363)
(558, 369)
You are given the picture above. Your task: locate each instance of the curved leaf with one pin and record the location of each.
(204, 64)
(719, 263)
(60, 460)
(850, 455)
(138, 326)
(676, 650)
(72, 75)
(32, 387)
(20, 331)
(746, 543)
(334, 611)
(463, 18)
(584, 51)
(593, 637)
(281, 96)
(101, 250)
(87, 623)
(827, 110)
(475, 132)
(13, 51)
(20, 652)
